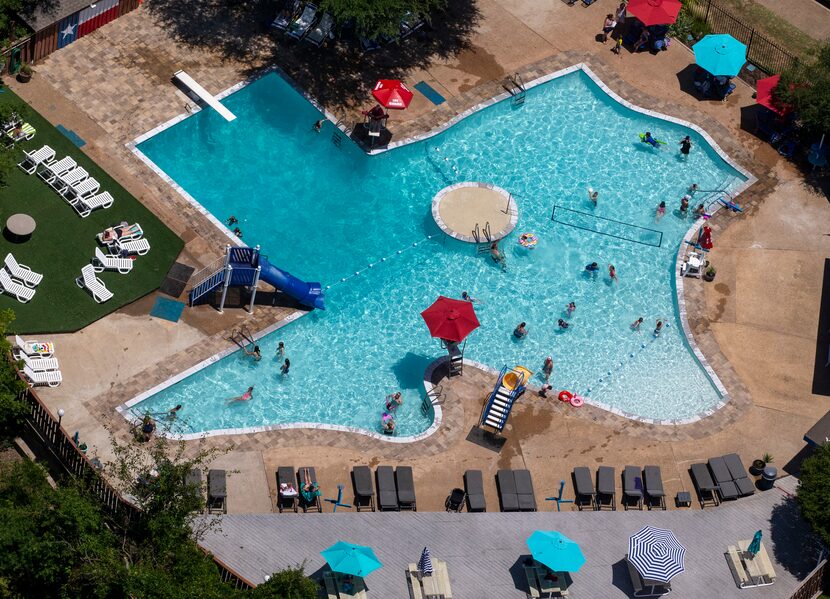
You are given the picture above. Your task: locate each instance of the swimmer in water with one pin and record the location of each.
(520, 331)
(393, 401)
(658, 327)
(684, 204)
(238, 232)
(593, 196)
(497, 256)
(700, 211)
(563, 325)
(635, 326)
(571, 308)
(247, 396)
(285, 367)
(694, 187)
(686, 146)
(468, 298)
(256, 353)
(592, 268)
(547, 369)
(281, 350)
(318, 126)
(661, 211)
(612, 272)
(171, 415)
(232, 220)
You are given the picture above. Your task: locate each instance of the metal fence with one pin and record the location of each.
(51, 435)
(813, 585)
(760, 51)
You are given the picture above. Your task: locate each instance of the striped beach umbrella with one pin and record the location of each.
(656, 553)
(425, 563)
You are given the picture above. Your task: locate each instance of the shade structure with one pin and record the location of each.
(425, 563)
(755, 545)
(556, 551)
(450, 319)
(764, 92)
(721, 54)
(655, 12)
(656, 553)
(347, 558)
(391, 93)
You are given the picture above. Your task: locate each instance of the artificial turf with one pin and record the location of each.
(63, 242)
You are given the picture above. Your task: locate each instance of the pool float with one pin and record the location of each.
(731, 205)
(656, 141)
(565, 395)
(528, 240)
(577, 401)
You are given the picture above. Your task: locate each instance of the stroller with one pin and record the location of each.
(455, 501)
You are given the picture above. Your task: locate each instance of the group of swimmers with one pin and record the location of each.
(685, 143)
(256, 354)
(658, 326)
(593, 269)
(387, 419)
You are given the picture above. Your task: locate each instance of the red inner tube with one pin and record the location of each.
(565, 395)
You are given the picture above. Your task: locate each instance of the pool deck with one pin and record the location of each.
(756, 324)
(470, 209)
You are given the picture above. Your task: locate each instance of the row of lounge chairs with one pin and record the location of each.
(639, 487)
(120, 241)
(395, 488)
(18, 279)
(71, 181)
(300, 21)
(40, 366)
(720, 479)
(300, 492)
(217, 489)
(515, 489)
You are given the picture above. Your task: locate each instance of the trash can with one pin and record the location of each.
(768, 477)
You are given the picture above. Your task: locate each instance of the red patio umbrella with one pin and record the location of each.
(392, 93)
(450, 319)
(764, 93)
(655, 12)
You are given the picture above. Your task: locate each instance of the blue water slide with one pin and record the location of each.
(308, 294)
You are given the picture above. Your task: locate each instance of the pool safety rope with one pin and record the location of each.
(357, 273)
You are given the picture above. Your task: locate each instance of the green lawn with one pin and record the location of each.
(64, 242)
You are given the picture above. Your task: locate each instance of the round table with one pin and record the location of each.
(19, 227)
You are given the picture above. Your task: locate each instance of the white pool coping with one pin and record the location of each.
(123, 409)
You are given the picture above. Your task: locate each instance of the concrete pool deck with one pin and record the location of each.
(466, 210)
(741, 327)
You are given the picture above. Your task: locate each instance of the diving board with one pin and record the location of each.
(203, 95)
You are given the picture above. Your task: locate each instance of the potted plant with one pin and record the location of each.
(758, 465)
(709, 273)
(25, 73)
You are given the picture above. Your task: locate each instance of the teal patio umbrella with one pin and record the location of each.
(755, 545)
(721, 54)
(556, 551)
(348, 558)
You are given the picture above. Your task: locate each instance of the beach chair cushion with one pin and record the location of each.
(406, 487)
(524, 490)
(605, 480)
(631, 487)
(506, 483)
(363, 481)
(726, 486)
(474, 485)
(583, 481)
(653, 481)
(701, 477)
(217, 484)
(387, 492)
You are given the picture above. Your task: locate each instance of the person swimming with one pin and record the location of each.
(256, 353)
(497, 256)
(593, 267)
(468, 298)
(520, 331)
(393, 401)
(318, 126)
(571, 308)
(547, 368)
(232, 220)
(281, 350)
(700, 211)
(593, 196)
(612, 272)
(635, 326)
(647, 138)
(684, 204)
(285, 367)
(658, 327)
(686, 146)
(563, 325)
(247, 396)
(661, 211)
(171, 415)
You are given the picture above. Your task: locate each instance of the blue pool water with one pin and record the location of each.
(324, 213)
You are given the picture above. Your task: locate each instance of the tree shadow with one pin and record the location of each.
(794, 546)
(337, 74)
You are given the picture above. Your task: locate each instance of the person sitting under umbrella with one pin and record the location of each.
(377, 113)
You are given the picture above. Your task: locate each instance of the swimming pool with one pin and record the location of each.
(325, 212)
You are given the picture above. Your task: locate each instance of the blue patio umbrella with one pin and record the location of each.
(721, 54)
(348, 558)
(556, 551)
(656, 554)
(755, 545)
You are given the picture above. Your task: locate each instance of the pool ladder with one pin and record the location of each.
(516, 88)
(433, 397)
(484, 234)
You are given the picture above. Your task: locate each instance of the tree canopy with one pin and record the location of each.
(806, 88)
(376, 18)
(814, 491)
(12, 410)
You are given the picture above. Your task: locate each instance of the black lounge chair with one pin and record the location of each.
(506, 486)
(285, 476)
(309, 500)
(704, 485)
(193, 479)
(455, 500)
(727, 489)
(474, 485)
(524, 490)
(364, 492)
(584, 493)
(632, 487)
(321, 31)
(606, 490)
(739, 474)
(217, 492)
(406, 488)
(289, 12)
(300, 25)
(387, 493)
(653, 483)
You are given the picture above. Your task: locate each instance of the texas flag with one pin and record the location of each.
(68, 30)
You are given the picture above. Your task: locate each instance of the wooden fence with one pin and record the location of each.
(75, 463)
(814, 584)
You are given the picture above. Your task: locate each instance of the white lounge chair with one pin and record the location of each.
(693, 267)
(138, 246)
(52, 378)
(22, 273)
(38, 364)
(34, 348)
(44, 155)
(93, 284)
(85, 206)
(22, 293)
(105, 262)
(68, 179)
(50, 171)
(85, 188)
(122, 232)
